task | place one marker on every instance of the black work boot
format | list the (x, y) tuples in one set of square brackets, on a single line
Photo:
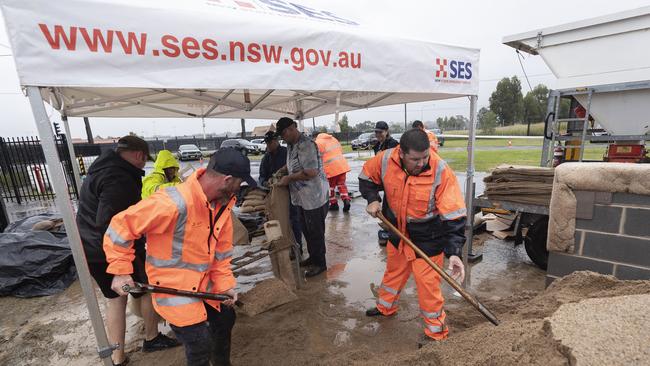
[(334, 207), (346, 205), (374, 312), (315, 271), (424, 340), (160, 342)]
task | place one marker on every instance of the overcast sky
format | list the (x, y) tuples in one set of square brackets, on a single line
[(473, 23)]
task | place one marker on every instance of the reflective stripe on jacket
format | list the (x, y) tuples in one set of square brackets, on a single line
[(189, 247), (334, 163), (428, 207), (157, 179)]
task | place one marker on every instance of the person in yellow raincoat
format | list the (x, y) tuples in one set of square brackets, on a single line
[(165, 174)]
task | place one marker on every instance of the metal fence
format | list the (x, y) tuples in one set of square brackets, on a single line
[(24, 174)]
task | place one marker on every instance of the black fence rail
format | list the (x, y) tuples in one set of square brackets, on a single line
[(24, 174)]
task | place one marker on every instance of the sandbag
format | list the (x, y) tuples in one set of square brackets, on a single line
[(253, 203), (240, 233)]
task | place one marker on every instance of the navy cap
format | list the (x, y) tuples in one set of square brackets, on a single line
[(270, 136), (381, 126), (282, 124), (230, 161)]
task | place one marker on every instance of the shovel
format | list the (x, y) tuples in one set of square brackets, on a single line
[(469, 297), (144, 287)]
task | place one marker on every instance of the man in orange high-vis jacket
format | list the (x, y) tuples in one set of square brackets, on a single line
[(433, 139), (336, 168), (425, 203), (189, 247)]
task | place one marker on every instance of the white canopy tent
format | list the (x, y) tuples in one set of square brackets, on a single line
[(215, 58)]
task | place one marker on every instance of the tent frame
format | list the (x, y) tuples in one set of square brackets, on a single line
[(200, 95), (64, 203)]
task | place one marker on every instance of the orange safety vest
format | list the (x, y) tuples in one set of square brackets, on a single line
[(185, 251), (334, 163), (416, 204), (433, 140)]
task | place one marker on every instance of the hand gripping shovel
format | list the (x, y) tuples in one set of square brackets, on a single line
[(143, 287), (469, 297)]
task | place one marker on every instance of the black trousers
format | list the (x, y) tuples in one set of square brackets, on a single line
[(208, 341), (313, 227)]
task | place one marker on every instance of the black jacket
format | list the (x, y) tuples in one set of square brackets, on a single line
[(389, 143), (111, 186), (271, 163)]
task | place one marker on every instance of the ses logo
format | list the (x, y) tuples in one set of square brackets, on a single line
[(453, 71)]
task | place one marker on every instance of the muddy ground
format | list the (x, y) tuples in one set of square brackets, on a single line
[(326, 321), (326, 325)]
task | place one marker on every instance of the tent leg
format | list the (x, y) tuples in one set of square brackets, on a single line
[(468, 255), (65, 206), (73, 157)]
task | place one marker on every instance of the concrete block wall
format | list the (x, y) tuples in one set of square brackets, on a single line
[(612, 237)]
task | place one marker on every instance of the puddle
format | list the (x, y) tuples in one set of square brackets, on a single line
[(353, 279)]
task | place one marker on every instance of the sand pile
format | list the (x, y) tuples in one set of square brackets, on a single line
[(609, 331), (523, 338), (265, 296)]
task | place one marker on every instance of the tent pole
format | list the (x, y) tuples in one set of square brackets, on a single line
[(73, 157), (469, 189), (64, 204), (405, 119), (89, 132)]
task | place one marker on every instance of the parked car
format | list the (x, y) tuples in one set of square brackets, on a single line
[(244, 146), (189, 152), (441, 138), (365, 141), (261, 145)]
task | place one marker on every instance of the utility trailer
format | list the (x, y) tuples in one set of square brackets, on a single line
[(603, 68)]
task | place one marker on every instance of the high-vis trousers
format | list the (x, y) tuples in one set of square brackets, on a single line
[(427, 281), (338, 181)]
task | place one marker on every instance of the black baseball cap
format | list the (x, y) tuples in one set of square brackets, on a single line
[(381, 126), (270, 136), (134, 143), (282, 124), (230, 161)]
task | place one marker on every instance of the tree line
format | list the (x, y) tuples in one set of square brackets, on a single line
[(507, 106)]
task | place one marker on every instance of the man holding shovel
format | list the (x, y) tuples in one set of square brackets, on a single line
[(189, 247), (424, 201)]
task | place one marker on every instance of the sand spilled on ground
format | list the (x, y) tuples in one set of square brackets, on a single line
[(523, 337)]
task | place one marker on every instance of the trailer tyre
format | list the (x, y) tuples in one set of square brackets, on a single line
[(535, 243)]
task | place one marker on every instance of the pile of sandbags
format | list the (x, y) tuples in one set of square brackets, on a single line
[(522, 184), (254, 201)]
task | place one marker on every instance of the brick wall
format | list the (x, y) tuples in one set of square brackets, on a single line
[(612, 237)]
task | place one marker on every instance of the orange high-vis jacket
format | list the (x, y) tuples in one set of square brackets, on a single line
[(433, 140), (334, 163), (429, 208), (189, 247)]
